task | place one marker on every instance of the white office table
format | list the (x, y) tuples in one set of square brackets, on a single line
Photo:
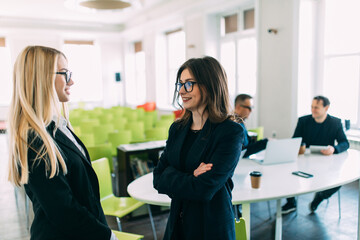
[(277, 182)]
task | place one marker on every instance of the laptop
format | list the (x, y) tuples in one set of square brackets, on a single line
[(242, 154), (278, 151)]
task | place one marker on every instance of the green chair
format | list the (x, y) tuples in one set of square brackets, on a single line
[(127, 236), (100, 151), (159, 133), (259, 131), (148, 121), (101, 133), (154, 115), (165, 123), (140, 113), (76, 130), (137, 131), (87, 139), (130, 115), (112, 205), (240, 229), (75, 120), (119, 123), (105, 118), (88, 125), (118, 138), (168, 117)]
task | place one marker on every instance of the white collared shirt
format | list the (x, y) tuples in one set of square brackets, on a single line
[(62, 126)]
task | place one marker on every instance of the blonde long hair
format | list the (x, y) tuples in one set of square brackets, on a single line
[(33, 104)]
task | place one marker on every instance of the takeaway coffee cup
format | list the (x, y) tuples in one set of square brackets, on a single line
[(255, 177)]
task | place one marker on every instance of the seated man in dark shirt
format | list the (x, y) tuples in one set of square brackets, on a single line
[(243, 108), (319, 128)]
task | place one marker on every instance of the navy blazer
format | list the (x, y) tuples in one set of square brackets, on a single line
[(65, 206), (205, 201), (324, 133)]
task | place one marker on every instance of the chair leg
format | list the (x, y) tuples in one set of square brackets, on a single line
[(236, 212), (339, 202), (119, 224), (152, 222), (269, 210)]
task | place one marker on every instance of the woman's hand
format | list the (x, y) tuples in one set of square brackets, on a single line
[(202, 168)]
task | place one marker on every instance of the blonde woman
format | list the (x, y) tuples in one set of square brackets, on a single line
[(46, 156)]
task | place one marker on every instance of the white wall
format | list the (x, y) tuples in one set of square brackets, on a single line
[(17, 38), (277, 68)]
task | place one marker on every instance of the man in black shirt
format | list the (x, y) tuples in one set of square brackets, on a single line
[(319, 128), (243, 108)]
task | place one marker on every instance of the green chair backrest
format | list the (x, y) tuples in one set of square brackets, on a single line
[(87, 126), (154, 115), (102, 170), (87, 139), (105, 118), (118, 138), (130, 115), (76, 130), (165, 123), (159, 133), (240, 229), (119, 123), (102, 151), (127, 236), (170, 116), (259, 131), (137, 131), (75, 121), (101, 133), (140, 113), (148, 121)]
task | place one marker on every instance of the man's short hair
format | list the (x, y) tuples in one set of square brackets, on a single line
[(325, 100), (241, 98)]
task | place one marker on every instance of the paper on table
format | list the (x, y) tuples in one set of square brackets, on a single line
[(317, 149)]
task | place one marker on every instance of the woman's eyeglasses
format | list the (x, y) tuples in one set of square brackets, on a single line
[(188, 86), (67, 75)]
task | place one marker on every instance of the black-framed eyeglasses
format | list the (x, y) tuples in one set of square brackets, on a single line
[(67, 75), (188, 86), (247, 107)]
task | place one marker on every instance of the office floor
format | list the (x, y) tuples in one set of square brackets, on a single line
[(323, 225)]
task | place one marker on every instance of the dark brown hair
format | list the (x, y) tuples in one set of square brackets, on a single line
[(212, 81)]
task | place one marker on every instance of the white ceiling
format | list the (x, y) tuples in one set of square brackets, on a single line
[(55, 10), (53, 14)]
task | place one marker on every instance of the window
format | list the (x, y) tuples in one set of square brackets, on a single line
[(238, 52), (175, 57), (333, 69), (5, 74), (84, 60), (341, 58), (136, 78)]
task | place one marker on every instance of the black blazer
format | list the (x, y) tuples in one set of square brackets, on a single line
[(324, 133), (65, 206), (205, 201)]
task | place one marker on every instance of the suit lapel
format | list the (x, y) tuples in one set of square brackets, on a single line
[(180, 138), (65, 142), (199, 146)]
